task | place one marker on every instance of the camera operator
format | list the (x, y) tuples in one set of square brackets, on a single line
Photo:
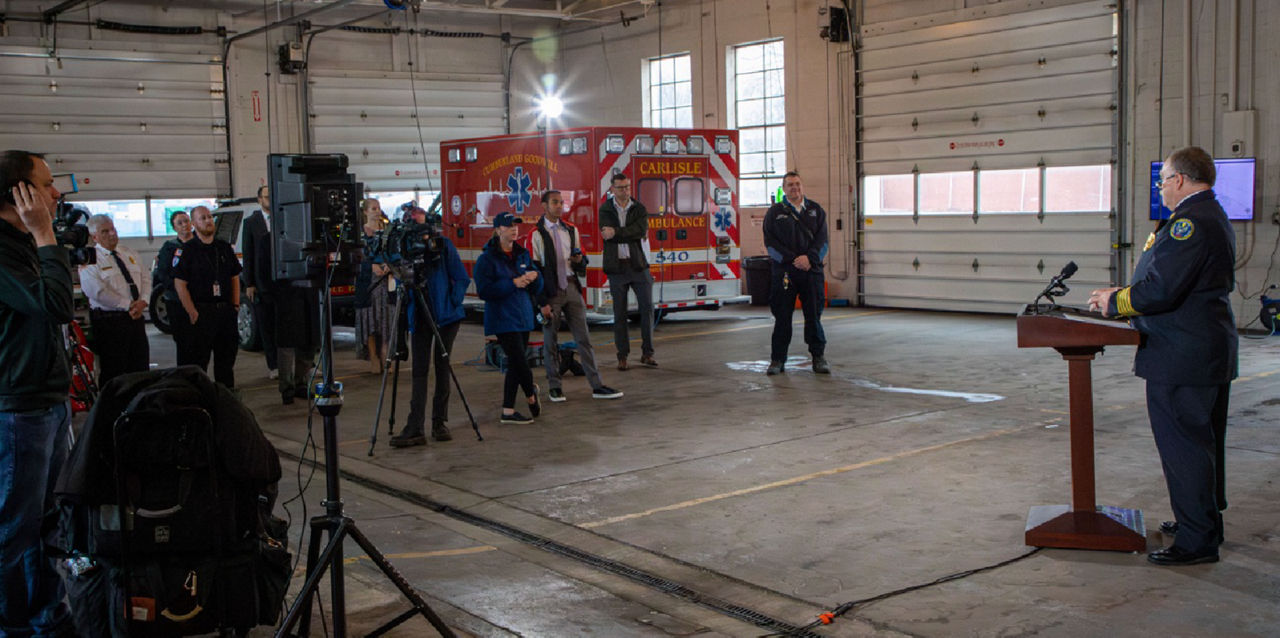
[(446, 281), (35, 301), (114, 285), (208, 284), (162, 275)]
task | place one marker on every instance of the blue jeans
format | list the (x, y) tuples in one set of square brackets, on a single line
[(33, 447)]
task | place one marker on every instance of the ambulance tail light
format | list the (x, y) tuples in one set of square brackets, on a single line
[(723, 144), (644, 144), (614, 144), (724, 197), (722, 249), (696, 145)]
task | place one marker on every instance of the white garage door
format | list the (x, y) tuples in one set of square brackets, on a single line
[(131, 124), (371, 118), (988, 148)]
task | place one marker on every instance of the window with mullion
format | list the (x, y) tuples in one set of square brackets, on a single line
[(670, 92), (759, 110)]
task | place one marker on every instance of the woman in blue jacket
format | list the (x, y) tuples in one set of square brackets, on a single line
[(506, 279)]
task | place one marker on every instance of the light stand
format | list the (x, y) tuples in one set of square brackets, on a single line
[(328, 400)]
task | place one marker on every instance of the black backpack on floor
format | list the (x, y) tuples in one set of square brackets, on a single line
[(161, 522)]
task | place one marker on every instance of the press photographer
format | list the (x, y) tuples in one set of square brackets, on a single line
[(35, 301), (423, 260)]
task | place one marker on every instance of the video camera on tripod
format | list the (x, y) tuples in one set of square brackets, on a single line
[(405, 240), (69, 224)]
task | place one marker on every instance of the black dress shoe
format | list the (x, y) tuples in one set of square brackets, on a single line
[(1169, 528), (1174, 555)]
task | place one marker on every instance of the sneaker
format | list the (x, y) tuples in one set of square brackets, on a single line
[(273, 374), (820, 366), (775, 367), (605, 392), (535, 408), (440, 432), (647, 360), (408, 439), (516, 418), (556, 395), (622, 365)]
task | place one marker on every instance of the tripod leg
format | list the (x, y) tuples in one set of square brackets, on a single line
[(395, 391), (403, 585), (392, 344), (300, 612)]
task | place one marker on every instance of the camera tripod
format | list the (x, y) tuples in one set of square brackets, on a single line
[(328, 398), (409, 286)]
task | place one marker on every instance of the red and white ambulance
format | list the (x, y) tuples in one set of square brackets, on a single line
[(686, 178)]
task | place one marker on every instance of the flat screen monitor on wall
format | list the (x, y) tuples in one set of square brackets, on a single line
[(1234, 188)]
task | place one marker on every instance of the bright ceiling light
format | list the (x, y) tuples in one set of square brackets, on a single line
[(550, 107)]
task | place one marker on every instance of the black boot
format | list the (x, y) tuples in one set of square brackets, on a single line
[(440, 431), (409, 437)]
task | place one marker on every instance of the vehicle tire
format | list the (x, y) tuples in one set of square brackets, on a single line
[(248, 328), (159, 310)]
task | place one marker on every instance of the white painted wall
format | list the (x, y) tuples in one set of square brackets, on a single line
[(1157, 96)]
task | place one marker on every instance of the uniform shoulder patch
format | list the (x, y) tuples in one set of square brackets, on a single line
[(1182, 229)]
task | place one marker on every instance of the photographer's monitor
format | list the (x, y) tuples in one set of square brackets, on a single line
[(1234, 188), (315, 217)]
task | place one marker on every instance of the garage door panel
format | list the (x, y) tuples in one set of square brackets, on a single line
[(943, 79), (1046, 140), (1087, 111), (1029, 37), (900, 127), (1028, 58), (893, 33), (1013, 92)]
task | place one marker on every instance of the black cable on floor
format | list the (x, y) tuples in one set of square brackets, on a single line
[(829, 617)]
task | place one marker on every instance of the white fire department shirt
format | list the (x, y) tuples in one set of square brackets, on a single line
[(105, 286)]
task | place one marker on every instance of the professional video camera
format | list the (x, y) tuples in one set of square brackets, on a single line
[(73, 234), (405, 240)]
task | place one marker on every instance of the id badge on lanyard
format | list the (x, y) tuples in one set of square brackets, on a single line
[(217, 289)]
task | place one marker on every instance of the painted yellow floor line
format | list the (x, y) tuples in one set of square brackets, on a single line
[(798, 479), (1255, 377), (436, 554)]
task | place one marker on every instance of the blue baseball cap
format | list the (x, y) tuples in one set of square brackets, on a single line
[(506, 219)]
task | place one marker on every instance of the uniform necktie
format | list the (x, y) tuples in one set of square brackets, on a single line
[(124, 270)]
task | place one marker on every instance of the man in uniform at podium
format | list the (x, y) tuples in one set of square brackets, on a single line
[(1179, 302)]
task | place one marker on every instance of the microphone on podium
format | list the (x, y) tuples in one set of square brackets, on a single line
[(1056, 287)]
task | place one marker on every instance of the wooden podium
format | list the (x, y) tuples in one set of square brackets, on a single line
[(1079, 336)]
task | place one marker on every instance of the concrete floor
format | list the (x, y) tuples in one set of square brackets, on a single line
[(917, 459)]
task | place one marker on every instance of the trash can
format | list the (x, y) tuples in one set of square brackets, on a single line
[(756, 271)]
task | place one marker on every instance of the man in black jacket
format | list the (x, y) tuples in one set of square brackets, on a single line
[(35, 302), (624, 226), (259, 285), (1180, 301), (795, 235)]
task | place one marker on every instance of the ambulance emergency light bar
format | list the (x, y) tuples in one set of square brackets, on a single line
[(1234, 187)]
